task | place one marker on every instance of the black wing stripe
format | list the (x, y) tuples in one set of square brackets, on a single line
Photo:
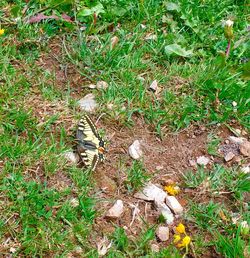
[(92, 126), (87, 150)]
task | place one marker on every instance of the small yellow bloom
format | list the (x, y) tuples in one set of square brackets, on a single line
[(1, 32), (185, 242), (177, 238), (172, 189), (180, 228)]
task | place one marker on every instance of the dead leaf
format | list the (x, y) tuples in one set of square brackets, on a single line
[(114, 41), (39, 17)]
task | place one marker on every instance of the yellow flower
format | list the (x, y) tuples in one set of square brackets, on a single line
[(1, 32), (177, 238), (172, 189), (185, 242), (180, 228)]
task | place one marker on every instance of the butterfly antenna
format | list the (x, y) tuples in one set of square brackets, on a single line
[(101, 115)]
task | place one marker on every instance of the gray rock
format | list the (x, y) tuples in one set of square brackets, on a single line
[(162, 233), (88, 103)]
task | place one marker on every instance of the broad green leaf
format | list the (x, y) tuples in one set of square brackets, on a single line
[(90, 11), (175, 49)]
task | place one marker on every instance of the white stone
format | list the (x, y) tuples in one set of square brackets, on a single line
[(155, 248), (229, 156), (143, 26), (151, 192), (238, 131), (236, 140), (245, 148), (88, 103), (174, 205), (234, 104), (140, 78), (162, 233), (135, 150), (167, 214), (245, 169), (164, 210), (116, 210), (202, 160), (110, 106), (92, 86), (103, 246), (192, 163), (71, 157), (74, 202), (102, 85), (151, 37), (158, 168), (153, 86), (12, 250), (229, 23)]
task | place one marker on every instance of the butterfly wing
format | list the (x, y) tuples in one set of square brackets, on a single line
[(88, 142)]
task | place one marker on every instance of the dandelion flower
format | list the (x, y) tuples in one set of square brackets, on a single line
[(1, 32), (172, 190), (177, 238), (180, 228), (185, 242)]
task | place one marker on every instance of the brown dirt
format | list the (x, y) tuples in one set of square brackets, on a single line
[(65, 74), (166, 159)]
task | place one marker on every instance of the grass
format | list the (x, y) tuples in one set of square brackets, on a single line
[(37, 217), (136, 177), (213, 218)]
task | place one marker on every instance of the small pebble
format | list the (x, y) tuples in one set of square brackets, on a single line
[(88, 103), (135, 150), (102, 85), (92, 86), (162, 233), (245, 148), (116, 210), (153, 86), (71, 157), (229, 156), (155, 248), (202, 160), (174, 205), (245, 170), (234, 103)]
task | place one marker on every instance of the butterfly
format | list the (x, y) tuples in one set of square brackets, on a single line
[(90, 145)]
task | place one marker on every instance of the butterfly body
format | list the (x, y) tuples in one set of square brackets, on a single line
[(90, 145)]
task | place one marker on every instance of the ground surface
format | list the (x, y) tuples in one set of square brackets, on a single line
[(53, 207)]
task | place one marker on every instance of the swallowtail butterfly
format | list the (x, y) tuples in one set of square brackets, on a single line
[(90, 145)]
